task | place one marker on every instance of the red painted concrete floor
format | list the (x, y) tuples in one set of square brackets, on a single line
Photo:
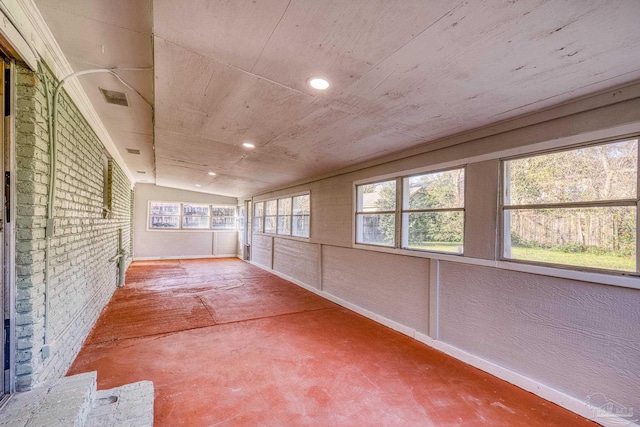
[(228, 344)]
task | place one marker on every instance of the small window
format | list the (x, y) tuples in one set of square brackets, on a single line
[(576, 207), (195, 216), (270, 216), (223, 217), (284, 216), (301, 216), (433, 211), (376, 213), (164, 215), (258, 215)]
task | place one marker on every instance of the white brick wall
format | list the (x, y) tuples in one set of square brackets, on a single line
[(82, 279)]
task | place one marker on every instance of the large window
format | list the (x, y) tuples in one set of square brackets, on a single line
[(223, 218), (287, 216), (258, 215), (301, 216), (284, 216), (164, 215), (433, 211), (271, 216), (376, 213), (421, 212), (190, 216), (575, 207), (195, 216)]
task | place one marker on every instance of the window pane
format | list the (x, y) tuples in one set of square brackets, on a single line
[(301, 205), (376, 229), (377, 197), (284, 224), (223, 223), (300, 226), (164, 222), (271, 207), (164, 208), (589, 237), (284, 206), (603, 172), (259, 209), (195, 210), (270, 224), (223, 211), (435, 231), (192, 222), (257, 224), (439, 190)]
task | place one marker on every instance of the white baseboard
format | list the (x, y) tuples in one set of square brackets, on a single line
[(582, 408), (159, 258)]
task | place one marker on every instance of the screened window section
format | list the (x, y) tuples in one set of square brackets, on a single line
[(284, 216), (576, 207), (271, 216), (301, 216), (376, 213), (433, 211), (195, 216), (258, 215), (164, 215), (223, 218), (190, 216)]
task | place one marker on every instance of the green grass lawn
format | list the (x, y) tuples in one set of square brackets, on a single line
[(583, 259), (609, 262), (451, 247)]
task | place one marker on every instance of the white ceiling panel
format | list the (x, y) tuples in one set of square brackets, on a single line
[(402, 74), (230, 31), (342, 40), (242, 106)]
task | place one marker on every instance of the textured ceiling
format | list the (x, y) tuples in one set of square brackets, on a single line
[(402, 74)]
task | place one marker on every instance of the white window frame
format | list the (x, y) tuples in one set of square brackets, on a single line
[(360, 212), (306, 216), (260, 222), (404, 235), (234, 217), (268, 216), (401, 237), (504, 223), (181, 218), (206, 216)]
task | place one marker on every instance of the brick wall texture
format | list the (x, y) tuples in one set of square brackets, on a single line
[(82, 276)]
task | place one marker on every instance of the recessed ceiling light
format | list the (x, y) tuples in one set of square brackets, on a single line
[(198, 185), (212, 174), (318, 83), (248, 145)]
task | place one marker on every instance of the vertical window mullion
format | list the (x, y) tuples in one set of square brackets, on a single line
[(505, 222)]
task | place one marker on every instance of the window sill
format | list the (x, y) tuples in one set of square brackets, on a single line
[(611, 279)]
